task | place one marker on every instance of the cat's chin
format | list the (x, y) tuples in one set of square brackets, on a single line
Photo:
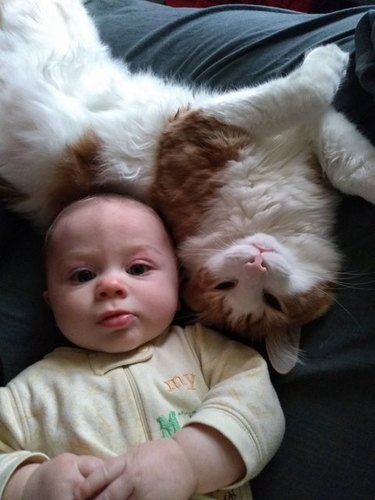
[(279, 329), (213, 308), (259, 288)]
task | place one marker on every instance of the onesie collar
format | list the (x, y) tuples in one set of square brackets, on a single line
[(101, 363)]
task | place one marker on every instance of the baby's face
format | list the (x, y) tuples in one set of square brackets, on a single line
[(111, 275)]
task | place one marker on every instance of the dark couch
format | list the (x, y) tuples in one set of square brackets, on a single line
[(329, 401)]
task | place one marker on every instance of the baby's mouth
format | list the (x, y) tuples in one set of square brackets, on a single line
[(116, 319)]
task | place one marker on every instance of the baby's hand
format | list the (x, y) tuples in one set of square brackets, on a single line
[(151, 471), (57, 478)]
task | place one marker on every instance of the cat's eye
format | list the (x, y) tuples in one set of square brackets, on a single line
[(226, 285), (272, 301)]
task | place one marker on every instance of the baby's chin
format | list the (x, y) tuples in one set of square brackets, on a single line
[(123, 341), (112, 340)]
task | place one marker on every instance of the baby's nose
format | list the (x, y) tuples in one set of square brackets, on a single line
[(110, 288)]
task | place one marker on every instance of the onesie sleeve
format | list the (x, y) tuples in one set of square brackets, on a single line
[(13, 438), (241, 402)]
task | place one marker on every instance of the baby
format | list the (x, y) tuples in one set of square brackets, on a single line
[(135, 408)]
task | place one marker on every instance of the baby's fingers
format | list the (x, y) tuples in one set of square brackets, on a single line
[(88, 464), (97, 481), (121, 488)]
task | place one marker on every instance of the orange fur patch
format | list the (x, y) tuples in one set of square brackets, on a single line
[(308, 306), (77, 173), (193, 150)]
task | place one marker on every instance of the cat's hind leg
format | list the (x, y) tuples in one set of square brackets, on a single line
[(346, 156), (50, 56), (271, 107), (50, 25)]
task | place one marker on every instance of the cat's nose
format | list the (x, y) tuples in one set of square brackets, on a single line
[(255, 265), (255, 268)]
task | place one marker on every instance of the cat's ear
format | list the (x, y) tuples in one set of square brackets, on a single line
[(283, 348)]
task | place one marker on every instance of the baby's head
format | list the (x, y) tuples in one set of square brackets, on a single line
[(112, 279)]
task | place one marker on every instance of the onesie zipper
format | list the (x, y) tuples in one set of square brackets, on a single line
[(138, 401)]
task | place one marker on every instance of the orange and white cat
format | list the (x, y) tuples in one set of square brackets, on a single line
[(235, 174)]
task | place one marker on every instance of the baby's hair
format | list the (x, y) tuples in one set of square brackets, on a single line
[(101, 196)]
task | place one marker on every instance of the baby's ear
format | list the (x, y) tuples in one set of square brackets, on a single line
[(46, 297), (283, 348)]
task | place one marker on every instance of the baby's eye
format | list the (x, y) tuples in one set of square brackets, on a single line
[(138, 269), (83, 275)]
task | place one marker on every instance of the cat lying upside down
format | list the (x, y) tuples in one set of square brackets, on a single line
[(236, 175), (252, 218)]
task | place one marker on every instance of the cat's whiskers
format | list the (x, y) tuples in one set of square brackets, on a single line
[(345, 279), (338, 303)]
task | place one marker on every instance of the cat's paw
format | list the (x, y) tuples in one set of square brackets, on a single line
[(328, 56), (357, 179), (323, 69), (346, 156)]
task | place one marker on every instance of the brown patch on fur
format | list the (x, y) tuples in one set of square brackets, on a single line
[(193, 150), (77, 173), (310, 305), (194, 288), (207, 302)]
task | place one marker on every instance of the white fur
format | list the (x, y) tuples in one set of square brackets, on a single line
[(58, 80)]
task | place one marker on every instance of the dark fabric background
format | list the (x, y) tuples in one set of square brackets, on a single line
[(329, 401)]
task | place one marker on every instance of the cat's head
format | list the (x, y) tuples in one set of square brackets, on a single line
[(259, 287)]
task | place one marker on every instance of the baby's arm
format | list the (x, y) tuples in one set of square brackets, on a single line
[(57, 478), (15, 487), (197, 459), (215, 461)]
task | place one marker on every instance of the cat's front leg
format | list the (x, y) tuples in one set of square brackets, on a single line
[(284, 102), (346, 156), (321, 73)]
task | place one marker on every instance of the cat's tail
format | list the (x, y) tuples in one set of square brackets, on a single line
[(346, 156)]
